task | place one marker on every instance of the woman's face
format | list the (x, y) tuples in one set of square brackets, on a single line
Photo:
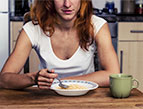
[(67, 9)]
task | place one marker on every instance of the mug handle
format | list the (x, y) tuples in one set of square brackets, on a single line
[(135, 86)]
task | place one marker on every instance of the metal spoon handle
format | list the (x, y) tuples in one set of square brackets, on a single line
[(59, 80)]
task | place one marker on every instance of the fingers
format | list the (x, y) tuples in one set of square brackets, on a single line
[(45, 78), (47, 74)]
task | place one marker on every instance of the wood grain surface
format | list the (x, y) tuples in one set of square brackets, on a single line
[(100, 98)]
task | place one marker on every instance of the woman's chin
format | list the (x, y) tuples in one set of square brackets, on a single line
[(68, 18)]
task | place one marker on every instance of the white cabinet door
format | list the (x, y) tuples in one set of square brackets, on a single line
[(4, 38), (4, 5)]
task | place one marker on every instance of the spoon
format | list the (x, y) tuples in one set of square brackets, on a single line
[(64, 86), (60, 82)]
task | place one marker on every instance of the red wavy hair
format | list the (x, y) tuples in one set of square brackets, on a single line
[(43, 13)]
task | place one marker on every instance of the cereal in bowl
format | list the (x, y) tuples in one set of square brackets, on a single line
[(73, 86)]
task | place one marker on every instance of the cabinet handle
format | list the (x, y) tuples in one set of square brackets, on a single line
[(121, 61), (136, 31)]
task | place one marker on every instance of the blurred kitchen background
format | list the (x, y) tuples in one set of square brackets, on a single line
[(125, 19)]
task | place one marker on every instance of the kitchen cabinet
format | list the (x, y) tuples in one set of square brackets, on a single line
[(130, 49), (15, 28)]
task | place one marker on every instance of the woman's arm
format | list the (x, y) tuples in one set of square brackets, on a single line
[(107, 56), (10, 77)]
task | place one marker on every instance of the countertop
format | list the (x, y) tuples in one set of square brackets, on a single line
[(122, 17), (108, 17), (16, 18), (99, 98)]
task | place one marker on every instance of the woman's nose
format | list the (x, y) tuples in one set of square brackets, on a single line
[(67, 3)]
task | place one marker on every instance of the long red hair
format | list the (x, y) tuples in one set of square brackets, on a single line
[(43, 12)]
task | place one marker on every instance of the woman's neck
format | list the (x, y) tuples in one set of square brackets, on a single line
[(66, 25)]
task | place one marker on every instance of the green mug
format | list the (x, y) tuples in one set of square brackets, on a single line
[(122, 84)]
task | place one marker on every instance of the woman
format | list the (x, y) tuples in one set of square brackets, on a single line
[(63, 33)]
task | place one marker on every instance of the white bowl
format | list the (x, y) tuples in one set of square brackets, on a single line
[(74, 92)]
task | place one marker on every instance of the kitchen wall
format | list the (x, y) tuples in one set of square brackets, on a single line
[(100, 4)]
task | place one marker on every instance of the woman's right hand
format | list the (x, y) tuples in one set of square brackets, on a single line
[(44, 78)]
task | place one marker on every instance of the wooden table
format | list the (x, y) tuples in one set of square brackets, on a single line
[(33, 98)]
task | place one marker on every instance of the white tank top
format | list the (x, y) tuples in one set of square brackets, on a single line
[(82, 62)]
